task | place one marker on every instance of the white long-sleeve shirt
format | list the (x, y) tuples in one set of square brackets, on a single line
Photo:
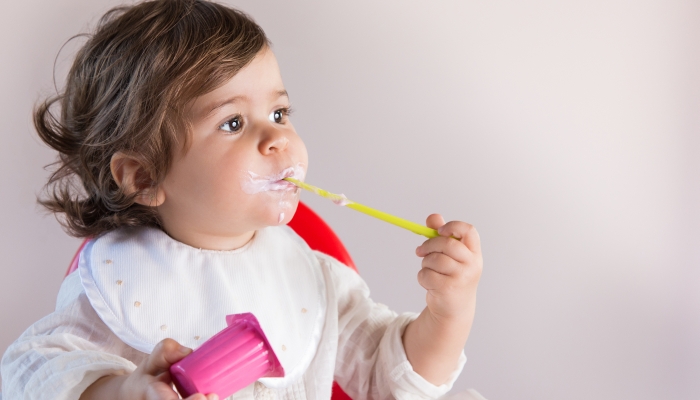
[(360, 347)]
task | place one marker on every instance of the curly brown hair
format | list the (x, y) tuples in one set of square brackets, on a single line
[(126, 91)]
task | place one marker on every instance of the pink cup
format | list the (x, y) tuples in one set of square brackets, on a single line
[(229, 361)]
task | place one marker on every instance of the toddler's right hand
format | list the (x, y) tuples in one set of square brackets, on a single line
[(150, 381)]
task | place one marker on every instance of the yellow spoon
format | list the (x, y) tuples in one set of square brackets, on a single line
[(343, 201)]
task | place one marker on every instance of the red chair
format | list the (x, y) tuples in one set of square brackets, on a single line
[(317, 234)]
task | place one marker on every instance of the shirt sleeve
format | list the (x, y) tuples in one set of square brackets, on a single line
[(62, 354), (371, 362)]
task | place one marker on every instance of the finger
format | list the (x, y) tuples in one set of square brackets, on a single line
[(166, 353), (161, 391), (441, 264), (466, 233), (454, 249), (432, 280), (434, 221)]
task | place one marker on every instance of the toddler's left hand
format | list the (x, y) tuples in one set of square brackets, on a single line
[(451, 269)]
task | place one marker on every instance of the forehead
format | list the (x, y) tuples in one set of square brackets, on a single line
[(259, 81)]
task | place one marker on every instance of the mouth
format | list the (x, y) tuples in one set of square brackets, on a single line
[(275, 182)]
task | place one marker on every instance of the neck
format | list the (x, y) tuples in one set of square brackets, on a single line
[(209, 241)]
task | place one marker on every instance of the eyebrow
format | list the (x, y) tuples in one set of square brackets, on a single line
[(234, 99)]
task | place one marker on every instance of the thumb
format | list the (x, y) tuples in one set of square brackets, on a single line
[(166, 353), (435, 221)]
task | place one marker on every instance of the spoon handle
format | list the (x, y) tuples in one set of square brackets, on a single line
[(392, 219)]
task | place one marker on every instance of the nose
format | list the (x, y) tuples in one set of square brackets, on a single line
[(273, 140)]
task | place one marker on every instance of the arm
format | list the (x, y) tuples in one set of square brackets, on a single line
[(450, 273), (72, 353), (371, 362), (63, 353)]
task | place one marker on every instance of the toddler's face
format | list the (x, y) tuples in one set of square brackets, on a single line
[(228, 183)]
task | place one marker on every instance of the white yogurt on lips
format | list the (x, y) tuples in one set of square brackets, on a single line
[(258, 183), (274, 184)]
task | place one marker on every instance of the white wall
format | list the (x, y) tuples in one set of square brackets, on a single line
[(567, 132)]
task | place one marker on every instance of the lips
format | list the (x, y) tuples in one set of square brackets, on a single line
[(278, 182), (258, 183)]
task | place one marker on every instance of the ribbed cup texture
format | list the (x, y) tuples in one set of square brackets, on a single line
[(229, 361)]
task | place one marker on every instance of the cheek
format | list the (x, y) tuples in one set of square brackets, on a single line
[(225, 181), (305, 160), (208, 179), (300, 148)]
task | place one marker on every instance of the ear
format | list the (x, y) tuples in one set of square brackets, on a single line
[(132, 177)]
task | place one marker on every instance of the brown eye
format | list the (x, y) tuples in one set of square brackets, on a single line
[(278, 116), (233, 125)]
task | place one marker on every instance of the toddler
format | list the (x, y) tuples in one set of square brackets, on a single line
[(173, 139)]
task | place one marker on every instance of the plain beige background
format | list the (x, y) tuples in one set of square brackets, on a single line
[(567, 132)]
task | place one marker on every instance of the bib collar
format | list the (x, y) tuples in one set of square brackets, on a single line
[(147, 286)]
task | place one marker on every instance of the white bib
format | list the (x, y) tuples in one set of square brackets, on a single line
[(147, 286)]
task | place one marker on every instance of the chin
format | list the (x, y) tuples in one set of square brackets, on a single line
[(283, 215)]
